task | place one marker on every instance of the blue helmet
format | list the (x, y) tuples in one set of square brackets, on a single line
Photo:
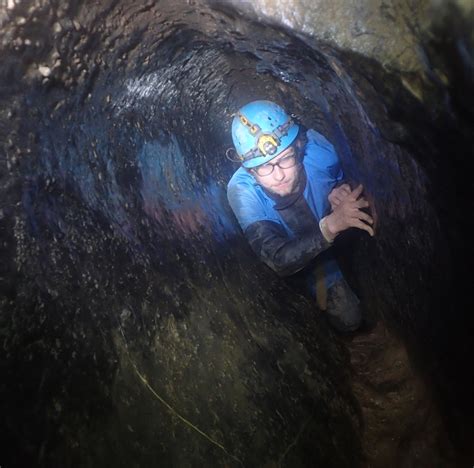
[(261, 130)]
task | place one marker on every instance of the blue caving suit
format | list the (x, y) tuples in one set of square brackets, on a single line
[(287, 237)]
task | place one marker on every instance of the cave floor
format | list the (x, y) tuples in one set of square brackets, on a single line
[(402, 425)]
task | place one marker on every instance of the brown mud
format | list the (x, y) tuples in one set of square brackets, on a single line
[(402, 424)]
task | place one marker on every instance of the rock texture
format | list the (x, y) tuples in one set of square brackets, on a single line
[(137, 328), (391, 32)]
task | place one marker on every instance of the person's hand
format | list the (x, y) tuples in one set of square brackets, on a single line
[(338, 194), (348, 214)]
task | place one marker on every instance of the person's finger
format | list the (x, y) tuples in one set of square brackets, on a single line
[(362, 203), (352, 206), (355, 194), (358, 190), (366, 217), (364, 227), (345, 188), (340, 191)]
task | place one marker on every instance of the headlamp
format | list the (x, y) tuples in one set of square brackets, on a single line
[(267, 144)]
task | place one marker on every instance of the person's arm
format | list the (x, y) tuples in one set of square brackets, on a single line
[(283, 254), (269, 239)]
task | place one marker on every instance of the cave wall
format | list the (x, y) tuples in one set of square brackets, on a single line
[(138, 328)]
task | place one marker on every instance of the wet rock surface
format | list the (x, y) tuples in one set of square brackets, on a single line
[(402, 426), (387, 31), (137, 328)]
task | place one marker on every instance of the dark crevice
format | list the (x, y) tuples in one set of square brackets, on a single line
[(119, 252)]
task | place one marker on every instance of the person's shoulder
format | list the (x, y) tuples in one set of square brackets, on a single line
[(245, 199), (319, 152), (242, 186), (241, 177), (316, 138)]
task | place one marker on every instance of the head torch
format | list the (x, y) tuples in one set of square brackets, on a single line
[(267, 143)]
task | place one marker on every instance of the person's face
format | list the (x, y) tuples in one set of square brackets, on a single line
[(280, 181)]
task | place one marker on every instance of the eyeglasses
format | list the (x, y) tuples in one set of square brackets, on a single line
[(284, 163)]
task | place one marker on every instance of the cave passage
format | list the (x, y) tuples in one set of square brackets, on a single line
[(137, 327)]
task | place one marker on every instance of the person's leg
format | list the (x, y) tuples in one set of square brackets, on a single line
[(343, 310), (342, 305)]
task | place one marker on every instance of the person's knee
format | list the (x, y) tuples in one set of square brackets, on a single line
[(343, 309), (345, 324)]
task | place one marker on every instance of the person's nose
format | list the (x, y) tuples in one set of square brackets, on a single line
[(278, 173)]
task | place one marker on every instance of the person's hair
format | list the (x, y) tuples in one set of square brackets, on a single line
[(300, 140)]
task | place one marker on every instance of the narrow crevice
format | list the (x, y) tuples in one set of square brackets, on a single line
[(114, 221)]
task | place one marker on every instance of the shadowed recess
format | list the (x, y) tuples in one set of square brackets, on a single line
[(137, 327)]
